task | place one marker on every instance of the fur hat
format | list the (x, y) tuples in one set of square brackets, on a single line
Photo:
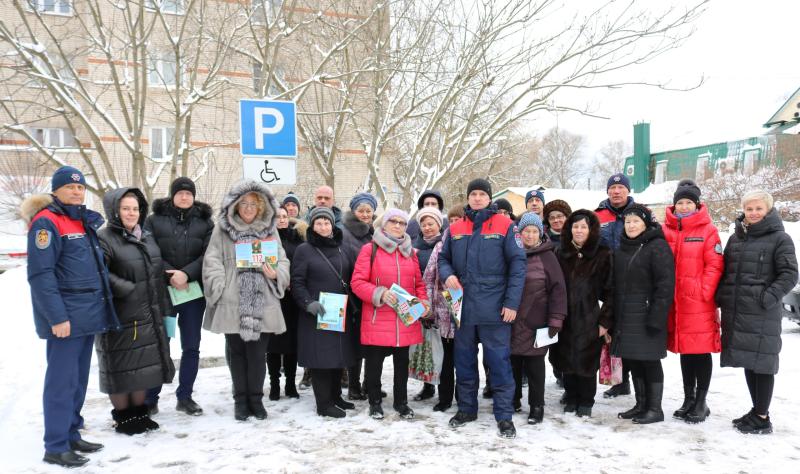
[(556, 205)]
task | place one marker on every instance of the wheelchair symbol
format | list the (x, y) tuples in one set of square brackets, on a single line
[(268, 171)]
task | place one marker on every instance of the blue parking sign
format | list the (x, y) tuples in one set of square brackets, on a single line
[(268, 128)]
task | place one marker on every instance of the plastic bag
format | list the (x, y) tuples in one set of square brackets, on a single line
[(610, 367), (425, 360)]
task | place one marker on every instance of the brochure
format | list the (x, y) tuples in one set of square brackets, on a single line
[(182, 296), (543, 338), (335, 305), (408, 307), (254, 254), (454, 298)]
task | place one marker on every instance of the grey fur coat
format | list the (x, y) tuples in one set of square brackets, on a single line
[(243, 302)]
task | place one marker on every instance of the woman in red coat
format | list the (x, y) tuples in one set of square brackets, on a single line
[(389, 259), (693, 322)]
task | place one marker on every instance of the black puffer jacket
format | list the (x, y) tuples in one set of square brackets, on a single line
[(137, 356), (760, 269), (644, 285), (317, 348), (182, 235), (588, 274), (286, 343)]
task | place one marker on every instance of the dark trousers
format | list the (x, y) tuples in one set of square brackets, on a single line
[(65, 382), (760, 386), (247, 363), (447, 378), (326, 384), (579, 390), (496, 341), (533, 368), (696, 370), (373, 368), (274, 362), (649, 370), (190, 325)]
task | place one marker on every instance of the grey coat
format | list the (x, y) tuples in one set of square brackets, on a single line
[(760, 269), (243, 302)]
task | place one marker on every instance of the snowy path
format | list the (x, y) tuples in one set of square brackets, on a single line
[(294, 439)]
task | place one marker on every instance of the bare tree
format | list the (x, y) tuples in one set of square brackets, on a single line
[(21, 176), (561, 156), (610, 160)]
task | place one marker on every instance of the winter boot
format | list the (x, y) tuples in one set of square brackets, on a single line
[(144, 417), (442, 406), (274, 387), (256, 407), (126, 422), (305, 382), (404, 411), (67, 459), (331, 411), (582, 411), (376, 411), (461, 418), (639, 390), (688, 402), (505, 429), (345, 382), (623, 388), (290, 390), (428, 391), (240, 410), (653, 412), (754, 424), (341, 403), (536, 415), (699, 411)]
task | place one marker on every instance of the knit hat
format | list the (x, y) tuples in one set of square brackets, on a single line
[(687, 190), (556, 205), (640, 211), (430, 212), (392, 213), (618, 178), (531, 218), (182, 184), (480, 184), (504, 205), (321, 212), (291, 197), (534, 193), (66, 175), (363, 198), (430, 193)]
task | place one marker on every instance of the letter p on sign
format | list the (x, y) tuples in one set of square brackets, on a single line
[(268, 128)]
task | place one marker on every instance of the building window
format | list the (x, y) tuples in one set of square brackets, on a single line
[(161, 139), (54, 137), (258, 78), (176, 7), (56, 7), (661, 172), (163, 70), (265, 10), (750, 160), (701, 170)]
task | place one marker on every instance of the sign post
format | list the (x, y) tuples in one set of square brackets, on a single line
[(268, 140)]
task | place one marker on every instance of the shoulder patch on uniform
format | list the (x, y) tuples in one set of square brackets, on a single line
[(518, 239), (43, 239), (718, 248)]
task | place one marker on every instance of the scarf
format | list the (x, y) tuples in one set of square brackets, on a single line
[(681, 215), (397, 240)]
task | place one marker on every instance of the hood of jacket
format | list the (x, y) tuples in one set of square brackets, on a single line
[(263, 225), (164, 207), (591, 245), (431, 193), (32, 205), (390, 245), (111, 206), (356, 227), (770, 223)]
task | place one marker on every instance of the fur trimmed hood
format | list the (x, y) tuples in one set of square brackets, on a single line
[(32, 205), (264, 225), (592, 243), (300, 226)]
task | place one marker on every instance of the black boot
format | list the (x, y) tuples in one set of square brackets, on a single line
[(331, 411), (240, 410), (688, 402), (623, 388), (699, 411), (144, 418), (345, 382), (354, 391), (653, 412), (126, 422), (305, 382), (274, 369), (639, 391), (428, 391), (290, 364), (536, 415), (274, 389), (256, 407), (754, 424)]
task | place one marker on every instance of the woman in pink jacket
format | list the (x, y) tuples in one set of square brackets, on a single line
[(389, 259)]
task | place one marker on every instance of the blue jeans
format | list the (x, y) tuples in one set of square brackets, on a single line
[(190, 324), (496, 341), (65, 382)]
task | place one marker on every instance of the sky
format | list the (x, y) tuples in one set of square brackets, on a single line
[(744, 51)]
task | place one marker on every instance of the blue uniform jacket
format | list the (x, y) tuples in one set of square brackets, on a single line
[(611, 223), (484, 251), (66, 272)]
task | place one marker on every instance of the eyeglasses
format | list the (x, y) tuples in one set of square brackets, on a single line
[(557, 218), (251, 205), (396, 222)]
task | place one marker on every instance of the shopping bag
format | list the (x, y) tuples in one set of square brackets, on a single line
[(425, 360), (610, 367), (170, 323)]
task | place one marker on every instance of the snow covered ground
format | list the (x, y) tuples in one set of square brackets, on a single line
[(294, 439)]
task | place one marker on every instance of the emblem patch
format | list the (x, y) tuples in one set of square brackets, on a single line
[(76, 177), (43, 239), (718, 248), (518, 239)]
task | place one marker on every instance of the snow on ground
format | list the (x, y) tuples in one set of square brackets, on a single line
[(294, 439)]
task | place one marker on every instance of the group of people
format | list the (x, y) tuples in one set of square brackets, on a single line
[(613, 277)]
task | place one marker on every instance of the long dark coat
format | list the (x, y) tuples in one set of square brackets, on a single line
[(760, 269), (589, 277), (286, 343), (544, 300), (644, 285), (136, 357), (317, 348)]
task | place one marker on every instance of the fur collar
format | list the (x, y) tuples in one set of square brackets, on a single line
[(390, 246), (164, 207), (32, 205), (356, 227)]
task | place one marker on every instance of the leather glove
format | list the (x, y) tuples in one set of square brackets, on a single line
[(315, 308), (551, 331)]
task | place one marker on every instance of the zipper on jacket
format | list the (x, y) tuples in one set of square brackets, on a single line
[(397, 320), (375, 308), (760, 264)]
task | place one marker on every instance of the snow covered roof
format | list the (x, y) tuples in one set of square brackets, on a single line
[(657, 193), (577, 198)]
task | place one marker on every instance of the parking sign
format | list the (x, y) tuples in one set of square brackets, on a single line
[(268, 128)]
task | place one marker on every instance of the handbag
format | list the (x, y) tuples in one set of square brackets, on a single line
[(425, 360), (610, 367)]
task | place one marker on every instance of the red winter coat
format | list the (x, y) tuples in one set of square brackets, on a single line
[(693, 323), (380, 325)]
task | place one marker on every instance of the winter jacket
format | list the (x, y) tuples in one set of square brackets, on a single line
[(243, 302), (311, 274), (588, 274), (392, 264), (612, 224), (644, 286), (760, 269), (693, 325), (544, 300), (434, 288), (182, 235), (286, 343), (137, 356), (66, 273), (484, 251), (553, 237), (424, 250)]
